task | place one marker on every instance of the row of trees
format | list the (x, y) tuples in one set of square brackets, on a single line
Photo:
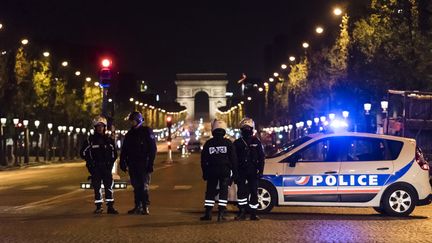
[(389, 47), (34, 86)]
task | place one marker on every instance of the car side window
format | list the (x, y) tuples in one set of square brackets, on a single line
[(320, 151), (366, 149)]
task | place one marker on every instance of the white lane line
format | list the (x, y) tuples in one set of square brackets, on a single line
[(153, 187), (29, 188), (182, 187), (46, 201)]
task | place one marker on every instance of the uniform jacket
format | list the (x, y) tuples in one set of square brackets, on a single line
[(139, 148), (99, 150), (250, 155), (218, 157)]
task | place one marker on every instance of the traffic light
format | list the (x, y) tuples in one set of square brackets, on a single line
[(105, 74), (169, 121), (169, 124)]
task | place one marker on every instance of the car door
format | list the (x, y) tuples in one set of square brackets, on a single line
[(366, 165), (311, 173)]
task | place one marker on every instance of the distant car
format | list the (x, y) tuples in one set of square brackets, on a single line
[(387, 173), (194, 146)]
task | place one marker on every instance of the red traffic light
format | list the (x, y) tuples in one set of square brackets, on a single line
[(106, 62)]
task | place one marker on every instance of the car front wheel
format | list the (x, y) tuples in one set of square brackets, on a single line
[(266, 197), (399, 201)]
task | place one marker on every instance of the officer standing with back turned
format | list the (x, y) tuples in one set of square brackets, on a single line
[(218, 161), (250, 154)]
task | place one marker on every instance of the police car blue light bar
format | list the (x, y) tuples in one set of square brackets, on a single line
[(117, 185)]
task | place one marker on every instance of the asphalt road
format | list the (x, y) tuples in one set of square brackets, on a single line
[(45, 204)]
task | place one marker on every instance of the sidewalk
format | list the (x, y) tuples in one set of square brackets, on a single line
[(33, 163)]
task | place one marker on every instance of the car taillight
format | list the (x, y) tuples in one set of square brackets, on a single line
[(420, 160)]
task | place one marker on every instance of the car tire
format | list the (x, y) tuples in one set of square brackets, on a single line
[(399, 201), (267, 197)]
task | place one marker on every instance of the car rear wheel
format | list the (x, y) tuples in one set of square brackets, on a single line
[(266, 197), (399, 201)]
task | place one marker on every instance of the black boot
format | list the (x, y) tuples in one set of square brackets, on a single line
[(207, 214), (145, 210), (111, 209), (221, 214), (241, 214), (253, 215), (136, 210), (98, 209)]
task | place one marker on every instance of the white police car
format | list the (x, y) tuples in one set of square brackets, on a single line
[(387, 173)]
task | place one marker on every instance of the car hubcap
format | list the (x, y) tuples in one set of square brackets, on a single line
[(400, 201), (264, 198)]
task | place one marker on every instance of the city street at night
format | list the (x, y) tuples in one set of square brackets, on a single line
[(45, 204)]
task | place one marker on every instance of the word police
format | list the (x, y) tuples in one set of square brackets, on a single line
[(345, 180)]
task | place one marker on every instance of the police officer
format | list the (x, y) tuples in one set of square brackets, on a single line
[(137, 155), (218, 160), (100, 154), (251, 166)]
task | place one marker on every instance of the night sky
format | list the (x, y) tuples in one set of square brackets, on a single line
[(157, 39)]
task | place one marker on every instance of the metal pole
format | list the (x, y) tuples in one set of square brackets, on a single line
[(37, 145), (15, 146), (3, 146), (26, 145)]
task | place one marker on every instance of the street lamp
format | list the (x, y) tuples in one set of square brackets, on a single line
[(292, 58), (3, 121), (15, 144), (65, 64), (37, 123), (332, 116), (77, 73), (96, 84), (47, 141), (337, 11), (1, 26), (305, 45), (345, 114), (276, 74), (367, 107), (88, 79), (24, 41), (384, 105), (271, 80), (249, 98), (260, 89), (284, 66), (46, 54), (26, 142), (319, 30)]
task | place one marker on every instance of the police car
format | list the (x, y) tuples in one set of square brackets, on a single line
[(387, 173)]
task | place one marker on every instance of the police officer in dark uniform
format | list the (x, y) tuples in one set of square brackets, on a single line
[(251, 166), (137, 155), (100, 154), (218, 162)]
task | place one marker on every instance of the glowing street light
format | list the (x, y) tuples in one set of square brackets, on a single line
[(106, 63), (46, 54), (249, 98), (271, 79), (284, 66), (109, 100), (367, 107), (96, 84), (319, 30), (77, 73), (65, 64), (305, 45), (266, 84), (88, 79), (260, 89), (1, 26), (292, 58), (345, 114), (24, 41), (337, 11), (384, 105), (276, 74), (131, 99)]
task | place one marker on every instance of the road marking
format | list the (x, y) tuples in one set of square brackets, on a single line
[(153, 187), (47, 201), (182, 187), (33, 188)]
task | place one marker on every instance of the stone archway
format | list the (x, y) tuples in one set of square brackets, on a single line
[(201, 105), (190, 84)]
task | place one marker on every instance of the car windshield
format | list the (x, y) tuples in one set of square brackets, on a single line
[(288, 147)]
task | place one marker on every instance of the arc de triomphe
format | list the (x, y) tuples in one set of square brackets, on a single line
[(190, 84)]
